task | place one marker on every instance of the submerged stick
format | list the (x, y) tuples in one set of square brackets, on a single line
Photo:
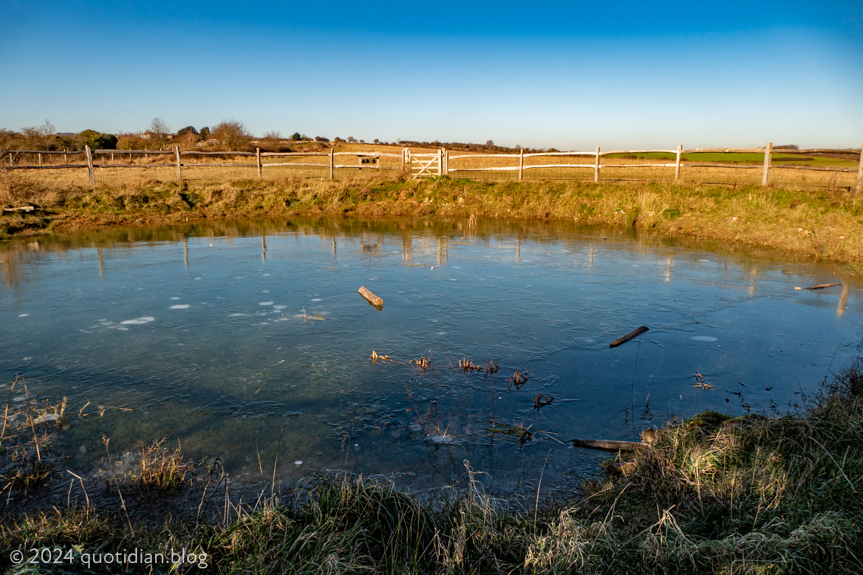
[(822, 286), (606, 444), (372, 298), (633, 334)]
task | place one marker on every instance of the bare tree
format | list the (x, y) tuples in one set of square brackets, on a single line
[(159, 131), (232, 134), (47, 129)]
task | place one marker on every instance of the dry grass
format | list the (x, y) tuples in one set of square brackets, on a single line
[(823, 224)]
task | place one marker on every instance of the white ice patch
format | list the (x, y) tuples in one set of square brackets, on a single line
[(266, 303), (180, 306), (279, 306), (23, 315), (197, 278), (175, 298), (265, 275), (237, 315), (442, 439), (703, 338), (441, 333), (266, 291), (138, 320), (316, 299), (298, 462)]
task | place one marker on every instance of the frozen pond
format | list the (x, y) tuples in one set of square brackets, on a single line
[(228, 336)]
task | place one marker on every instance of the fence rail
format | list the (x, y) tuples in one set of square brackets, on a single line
[(438, 163)]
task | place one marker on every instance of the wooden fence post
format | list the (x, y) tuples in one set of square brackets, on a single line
[(860, 174), (258, 156), (520, 164), (677, 164), (596, 167), (91, 173), (332, 163), (177, 157), (765, 176), (65, 157), (404, 155), (446, 162)]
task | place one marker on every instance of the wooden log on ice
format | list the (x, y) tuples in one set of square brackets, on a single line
[(372, 298), (633, 334), (822, 286), (606, 444)]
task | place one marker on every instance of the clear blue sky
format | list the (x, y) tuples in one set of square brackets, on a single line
[(570, 75)]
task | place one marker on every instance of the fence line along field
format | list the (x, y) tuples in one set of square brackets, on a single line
[(835, 169)]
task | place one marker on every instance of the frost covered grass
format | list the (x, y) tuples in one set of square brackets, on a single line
[(711, 495)]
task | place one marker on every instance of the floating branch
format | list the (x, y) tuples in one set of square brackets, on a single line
[(518, 379), (606, 444), (372, 298), (633, 334), (375, 357), (701, 383), (466, 366), (541, 401), (822, 286)]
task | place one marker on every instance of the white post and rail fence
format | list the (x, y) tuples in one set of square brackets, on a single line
[(420, 165)]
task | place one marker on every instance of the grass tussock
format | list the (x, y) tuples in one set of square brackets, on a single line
[(824, 223), (711, 495), (161, 470)]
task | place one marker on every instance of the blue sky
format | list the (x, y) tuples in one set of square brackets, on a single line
[(566, 75)]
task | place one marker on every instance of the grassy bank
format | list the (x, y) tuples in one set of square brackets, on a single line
[(711, 495), (824, 224)]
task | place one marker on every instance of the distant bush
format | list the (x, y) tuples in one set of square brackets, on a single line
[(96, 140), (296, 136), (232, 134), (321, 139)]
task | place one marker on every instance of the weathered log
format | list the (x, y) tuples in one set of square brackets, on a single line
[(21, 209), (822, 286), (606, 444), (372, 298), (633, 334)]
